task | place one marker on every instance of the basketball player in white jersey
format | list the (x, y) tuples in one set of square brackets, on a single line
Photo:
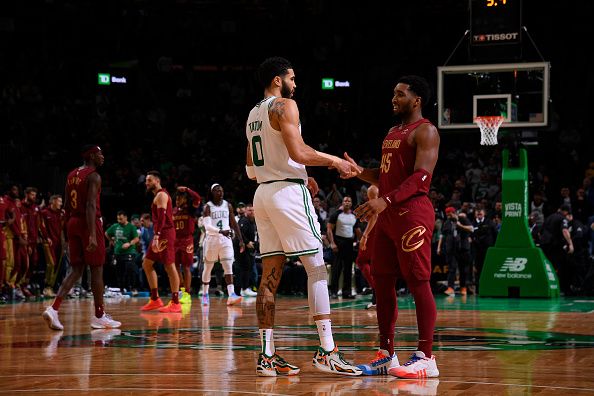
[(218, 217), (286, 220)]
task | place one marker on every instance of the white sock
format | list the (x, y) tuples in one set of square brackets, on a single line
[(231, 289), (205, 287), (325, 333), (267, 339)]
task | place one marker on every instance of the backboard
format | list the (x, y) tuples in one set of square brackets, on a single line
[(517, 91)]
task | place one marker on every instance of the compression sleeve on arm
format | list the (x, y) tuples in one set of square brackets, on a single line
[(416, 184), (160, 220), (207, 221)]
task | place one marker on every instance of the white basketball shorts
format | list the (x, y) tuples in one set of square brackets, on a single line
[(286, 220), (217, 248)]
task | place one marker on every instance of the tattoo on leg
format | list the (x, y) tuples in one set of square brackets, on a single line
[(272, 281), (265, 309), (265, 302)]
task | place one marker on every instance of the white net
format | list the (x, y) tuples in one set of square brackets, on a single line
[(489, 127)]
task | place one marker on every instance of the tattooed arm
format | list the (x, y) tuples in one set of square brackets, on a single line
[(284, 117)]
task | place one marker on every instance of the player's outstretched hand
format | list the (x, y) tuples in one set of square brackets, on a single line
[(352, 161), (372, 207), (357, 169), (347, 169)]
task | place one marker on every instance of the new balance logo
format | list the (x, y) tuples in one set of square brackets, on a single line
[(514, 264)]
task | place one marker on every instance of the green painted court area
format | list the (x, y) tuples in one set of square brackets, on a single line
[(473, 303)]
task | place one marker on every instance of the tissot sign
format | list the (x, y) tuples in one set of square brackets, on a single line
[(495, 38)]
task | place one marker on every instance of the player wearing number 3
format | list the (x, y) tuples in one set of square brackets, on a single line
[(86, 243)]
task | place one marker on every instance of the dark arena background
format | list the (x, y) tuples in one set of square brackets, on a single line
[(168, 86)]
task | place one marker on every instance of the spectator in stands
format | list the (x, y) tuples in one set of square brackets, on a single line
[(483, 237), (537, 207), (454, 240), (556, 243), (535, 229)]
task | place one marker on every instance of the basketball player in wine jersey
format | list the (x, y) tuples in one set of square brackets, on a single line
[(186, 202), (84, 229), (162, 248), (404, 228)]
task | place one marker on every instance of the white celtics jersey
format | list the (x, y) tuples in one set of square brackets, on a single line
[(269, 153), (219, 215)]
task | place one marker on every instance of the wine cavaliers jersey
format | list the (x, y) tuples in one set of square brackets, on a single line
[(184, 222), (168, 225), (398, 157), (53, 221), (77, 187), (31, 216)]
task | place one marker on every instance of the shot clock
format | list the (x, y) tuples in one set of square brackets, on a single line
[(495, 22)]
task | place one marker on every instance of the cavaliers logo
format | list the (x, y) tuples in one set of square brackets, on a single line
[(190, 249), (412, 239), (161, 246)]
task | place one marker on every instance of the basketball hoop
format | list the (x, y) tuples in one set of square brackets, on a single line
[(489, 126)]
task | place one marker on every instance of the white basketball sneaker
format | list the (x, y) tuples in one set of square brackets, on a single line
[(104, 322), (248, 293), (271, 366), (381, 364), (50, 315), (333, 362), (419, 366)]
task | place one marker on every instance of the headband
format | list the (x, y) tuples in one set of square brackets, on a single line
[(92, 150)]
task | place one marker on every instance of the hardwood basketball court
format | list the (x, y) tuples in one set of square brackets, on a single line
[(482, 345)]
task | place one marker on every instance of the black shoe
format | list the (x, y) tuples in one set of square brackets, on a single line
[(348, 296), (333, 295)]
